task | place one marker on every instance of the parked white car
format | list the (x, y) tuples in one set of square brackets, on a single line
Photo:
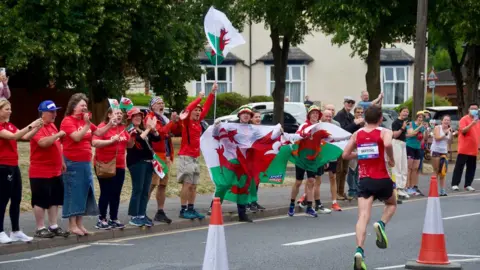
[(296, 109)]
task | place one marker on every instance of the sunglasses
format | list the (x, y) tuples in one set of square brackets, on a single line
[(350, 102)]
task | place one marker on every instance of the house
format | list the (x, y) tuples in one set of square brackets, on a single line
[(317, 68), (445, 86)]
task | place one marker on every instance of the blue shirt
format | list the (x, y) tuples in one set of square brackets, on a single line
[(364, 104)]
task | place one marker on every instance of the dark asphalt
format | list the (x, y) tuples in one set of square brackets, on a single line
[(261, 245)]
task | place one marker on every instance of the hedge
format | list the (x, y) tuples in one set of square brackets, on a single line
[(226, 102), (439, 101)]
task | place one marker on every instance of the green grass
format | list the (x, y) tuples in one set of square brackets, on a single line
[(205, 186)]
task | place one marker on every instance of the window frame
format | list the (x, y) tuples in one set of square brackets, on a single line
[(203, 78), (303, 79), (394, 81)]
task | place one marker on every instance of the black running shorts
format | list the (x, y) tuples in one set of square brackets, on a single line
[(380, 189)]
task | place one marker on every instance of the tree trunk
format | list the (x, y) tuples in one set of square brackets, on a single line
[(456, 68), (472, 63), (147, 87), (280, 57), (98, 105), (372, 77)]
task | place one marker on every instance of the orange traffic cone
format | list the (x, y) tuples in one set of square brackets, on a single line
[(216, 249), (433, 252)]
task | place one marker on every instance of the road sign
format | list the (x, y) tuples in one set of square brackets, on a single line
[(432, 76), (431, 84)]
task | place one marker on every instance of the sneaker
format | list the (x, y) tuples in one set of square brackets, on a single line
[(4, 239), (197, 215), (455, 188), (402, 193), (322, 210), (253, 207), (160, 216), (418, 191), (102, 225), (382, 240), (187, 214), (291, 210), (311, 212), (43, 233), (302, 199), (148, 222), (336, 207), (59, 232), (469, 188), (137, 221), (149, 219), (116, 224), (259, 207), (20, 236), (443, 193), (359, 261), (209, 211), (243, 217)]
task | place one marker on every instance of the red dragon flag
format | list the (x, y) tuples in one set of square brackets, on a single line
[(221, 35)]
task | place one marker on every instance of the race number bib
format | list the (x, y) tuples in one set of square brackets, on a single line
[(367, 151)]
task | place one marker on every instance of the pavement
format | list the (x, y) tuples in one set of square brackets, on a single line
[(276, 200), (281, 242)]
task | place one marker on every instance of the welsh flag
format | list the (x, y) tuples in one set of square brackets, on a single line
[(113, 103), (126, 103), (221, 35), (325, 143), (240, 156), (159, 166)]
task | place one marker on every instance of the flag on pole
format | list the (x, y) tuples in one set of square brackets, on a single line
[(240, 156), (221, 35), (325, 144), (159, 166), (113, 103), (126, 103)]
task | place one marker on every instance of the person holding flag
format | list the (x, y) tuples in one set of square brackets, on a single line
[(140, 164), (374, 150), (188, 168), (164, 150), (109, 164)]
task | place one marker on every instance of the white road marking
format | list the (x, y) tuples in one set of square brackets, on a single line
[(111, 244), (403, 265), (464, 255), (61, 252), (462, 216), (14, 261), (316, 240)]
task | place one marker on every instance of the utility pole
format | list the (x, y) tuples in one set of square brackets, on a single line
[(420, 48)]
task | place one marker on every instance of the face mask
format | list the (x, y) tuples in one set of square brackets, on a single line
[(474, 112)]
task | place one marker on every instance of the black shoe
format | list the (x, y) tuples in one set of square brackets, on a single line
[(161, 217), (116, 224), (243, 217), (59, 232), (259, 207), (44, 233), (253, 208)]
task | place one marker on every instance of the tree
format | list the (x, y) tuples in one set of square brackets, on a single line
[(453, 22), (367, 25), (95, 46)]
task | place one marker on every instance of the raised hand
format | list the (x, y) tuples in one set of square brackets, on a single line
[(86, 117), (184, 115), (214, 87), (174, 117), (37, 123)]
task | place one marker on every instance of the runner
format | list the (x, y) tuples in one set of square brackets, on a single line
[(372, 143)]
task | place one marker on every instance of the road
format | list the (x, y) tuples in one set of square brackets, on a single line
[(276, 243)]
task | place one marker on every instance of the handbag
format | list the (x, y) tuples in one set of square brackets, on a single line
[(107, 169)]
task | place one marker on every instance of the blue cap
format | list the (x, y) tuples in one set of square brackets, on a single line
[(48, 106)]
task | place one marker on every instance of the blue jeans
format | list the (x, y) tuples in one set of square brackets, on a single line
[(141, 173), (78, 196), (422, 154), (110, 190), (352, 180)]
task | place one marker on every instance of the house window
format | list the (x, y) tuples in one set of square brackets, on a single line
[(205, 81), (394, 85), (294, 82)]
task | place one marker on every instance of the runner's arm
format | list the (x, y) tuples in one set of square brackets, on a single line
[(348, 153), (387, 143)]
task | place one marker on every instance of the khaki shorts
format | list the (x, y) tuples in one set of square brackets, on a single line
[(155, 178), (188, 170)]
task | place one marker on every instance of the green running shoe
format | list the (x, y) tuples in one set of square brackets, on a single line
[(382, 240), (358, 262)]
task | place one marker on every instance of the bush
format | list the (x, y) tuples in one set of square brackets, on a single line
[(439, 101), (254, 99), (227, 103), (139, 99)]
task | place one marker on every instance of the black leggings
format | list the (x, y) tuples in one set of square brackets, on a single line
[(110, 190), (10, 190)]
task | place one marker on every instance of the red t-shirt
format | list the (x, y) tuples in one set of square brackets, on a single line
[(77, 151), (106, 154), (8, 148), (45, 162), (371, 154), (468, 143)]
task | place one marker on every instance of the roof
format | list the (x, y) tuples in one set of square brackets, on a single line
[(395, 56), (230, 59), (294, 55), (445, 77)]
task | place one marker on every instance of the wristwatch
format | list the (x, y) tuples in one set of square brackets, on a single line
[(30, 127)]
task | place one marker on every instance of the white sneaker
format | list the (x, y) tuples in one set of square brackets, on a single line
[(455, 188), (402, 193), (4, 239), (469, 188), (20, 236)]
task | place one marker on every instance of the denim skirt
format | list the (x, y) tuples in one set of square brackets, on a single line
[(79, 198)]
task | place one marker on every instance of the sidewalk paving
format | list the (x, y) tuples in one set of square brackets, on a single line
[(275, 199)]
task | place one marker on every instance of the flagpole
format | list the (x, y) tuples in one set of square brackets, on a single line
[(216, 78)]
